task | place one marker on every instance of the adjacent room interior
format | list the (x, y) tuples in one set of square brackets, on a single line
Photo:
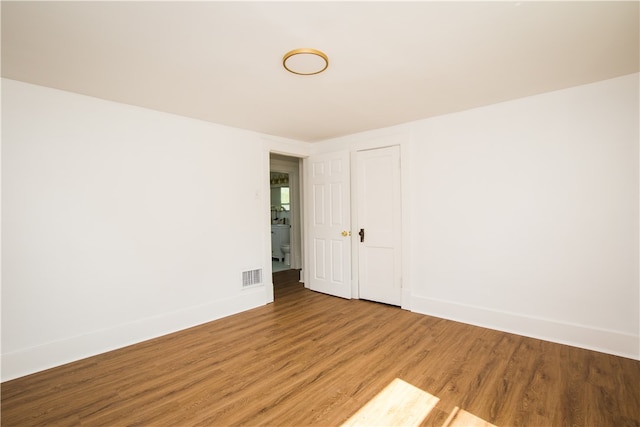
[(320, 213)]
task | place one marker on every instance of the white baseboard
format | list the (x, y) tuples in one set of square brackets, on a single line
[(35, 359), (606, 341), (406, 299)]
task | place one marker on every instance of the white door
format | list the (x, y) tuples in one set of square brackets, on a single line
[(327, 195), (378, 225)]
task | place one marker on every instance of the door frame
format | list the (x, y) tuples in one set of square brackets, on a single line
[(355, 219), (275, 145), (388, 139)]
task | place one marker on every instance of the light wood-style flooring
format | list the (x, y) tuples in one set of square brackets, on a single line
[(312, 359)]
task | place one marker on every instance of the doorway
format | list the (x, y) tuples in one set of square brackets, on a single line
[(285, 214)]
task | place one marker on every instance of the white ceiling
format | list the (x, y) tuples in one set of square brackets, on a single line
[(390, 62)]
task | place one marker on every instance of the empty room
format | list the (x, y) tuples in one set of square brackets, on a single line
[(320, 213)]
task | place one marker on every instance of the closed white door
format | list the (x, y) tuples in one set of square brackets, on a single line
[(378, 225), (327, 195)]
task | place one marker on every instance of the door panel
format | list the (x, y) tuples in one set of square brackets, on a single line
[(379, 214), (329, 210)]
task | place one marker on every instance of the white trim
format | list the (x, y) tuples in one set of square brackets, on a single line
[(406, 192), (355, 247), (406, 298), (582, 336), (266, 203), (400, 137), (35, 359)]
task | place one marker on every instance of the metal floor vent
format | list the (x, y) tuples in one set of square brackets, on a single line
[(251, 277)]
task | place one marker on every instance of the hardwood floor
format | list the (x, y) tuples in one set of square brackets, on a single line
[(312, 359)]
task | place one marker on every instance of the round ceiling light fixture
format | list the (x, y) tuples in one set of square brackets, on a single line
[(305, 61)]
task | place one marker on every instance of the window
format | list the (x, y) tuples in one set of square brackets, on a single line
[(284, 198)]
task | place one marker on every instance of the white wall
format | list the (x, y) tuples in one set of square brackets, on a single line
[(120, 224), (525, 216)]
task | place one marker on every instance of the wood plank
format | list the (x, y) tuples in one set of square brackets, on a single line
[(312, 359)]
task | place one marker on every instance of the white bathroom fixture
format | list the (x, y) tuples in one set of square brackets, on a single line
[(286, 250), (279, 236)]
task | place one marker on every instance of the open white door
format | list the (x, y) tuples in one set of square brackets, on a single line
[(327, 190), (379, 222)]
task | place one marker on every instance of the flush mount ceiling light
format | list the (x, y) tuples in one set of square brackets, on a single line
[(305, 62)]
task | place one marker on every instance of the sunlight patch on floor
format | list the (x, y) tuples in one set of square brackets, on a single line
[(402, 404), (398, 404), (461, 418)]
